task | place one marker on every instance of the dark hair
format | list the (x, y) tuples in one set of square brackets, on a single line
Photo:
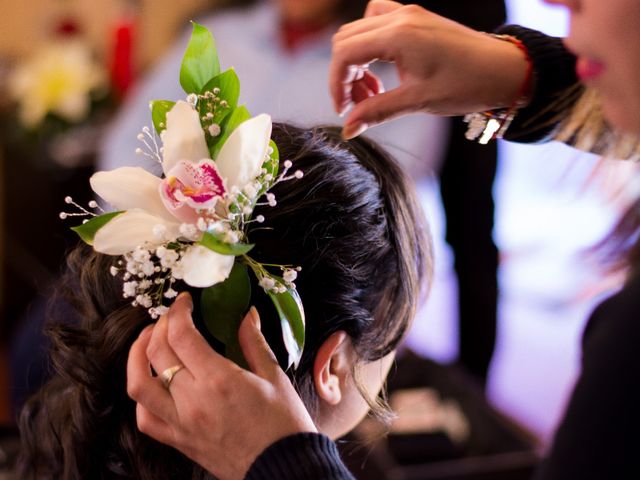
[(353, 225)]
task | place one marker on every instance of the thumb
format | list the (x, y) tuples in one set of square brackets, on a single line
[(378, 109), (256, 350)]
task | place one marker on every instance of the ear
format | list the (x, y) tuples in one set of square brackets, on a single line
[(331, 367)]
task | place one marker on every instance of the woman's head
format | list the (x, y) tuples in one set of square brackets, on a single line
[(353, 226), (605, 36)]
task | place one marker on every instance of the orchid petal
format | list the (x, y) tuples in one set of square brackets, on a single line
[(183, 137), (201, 267), (242, 155), (130, 187), (132, 229)]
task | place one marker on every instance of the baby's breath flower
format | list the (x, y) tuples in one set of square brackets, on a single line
[(144, 300), (129, 289), (250, 190), (189, 231), (267, 283), (214, 130), (132, 268), (290, 275), (141, 255), (169, 258), (171, 293), (231, 237), (147, 268)]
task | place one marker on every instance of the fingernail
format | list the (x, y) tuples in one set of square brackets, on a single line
[(352, 130), (146, 330), (254, 317), (185, 298)]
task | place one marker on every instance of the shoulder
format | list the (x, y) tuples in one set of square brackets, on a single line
[(597, 437)]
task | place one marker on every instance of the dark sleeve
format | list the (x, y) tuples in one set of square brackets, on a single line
[(484, 16), (304, 456), (556, 86), (599, 437)]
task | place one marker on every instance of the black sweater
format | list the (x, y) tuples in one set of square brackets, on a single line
[(599, 435)]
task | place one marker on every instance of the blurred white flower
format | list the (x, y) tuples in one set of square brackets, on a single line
[(59, 79)]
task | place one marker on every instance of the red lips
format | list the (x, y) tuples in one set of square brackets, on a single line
[(588, 69)]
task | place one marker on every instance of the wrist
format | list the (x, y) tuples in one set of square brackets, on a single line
[(510, 76), (494, 122)]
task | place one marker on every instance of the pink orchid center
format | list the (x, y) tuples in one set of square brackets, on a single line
[(190, 187)]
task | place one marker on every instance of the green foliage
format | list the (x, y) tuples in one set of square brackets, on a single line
[(229, 86), (213, 242), (159, 110), (200, 62), (230, 123), (291, 313), (223, 306), (87, 231)]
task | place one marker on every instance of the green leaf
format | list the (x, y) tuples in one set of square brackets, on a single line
[(291, 313), (223, 305), (200, 62), (229, 86), (159, 109), (88, 230), (213, 242), (230, 123)]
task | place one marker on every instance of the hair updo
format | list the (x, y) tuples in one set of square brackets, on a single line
[(351, 223)]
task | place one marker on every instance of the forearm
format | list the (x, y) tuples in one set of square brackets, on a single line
[(304, 456)]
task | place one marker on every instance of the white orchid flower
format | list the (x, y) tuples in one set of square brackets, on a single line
[(241, 157), (155, 208), (183, 137), (200, 269)]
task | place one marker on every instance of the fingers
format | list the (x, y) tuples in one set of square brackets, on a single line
[(255, 349), (360, 49), (373, 82), (357, 27), (161, 355), (154, 426), (377, 109), (366, 87), (380, 7), (141, 386), (190, 346)]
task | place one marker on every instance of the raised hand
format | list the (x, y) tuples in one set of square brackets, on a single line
[(444, 67), (210, 409)]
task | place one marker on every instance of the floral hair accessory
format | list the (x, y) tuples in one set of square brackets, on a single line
[(189, 227)]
